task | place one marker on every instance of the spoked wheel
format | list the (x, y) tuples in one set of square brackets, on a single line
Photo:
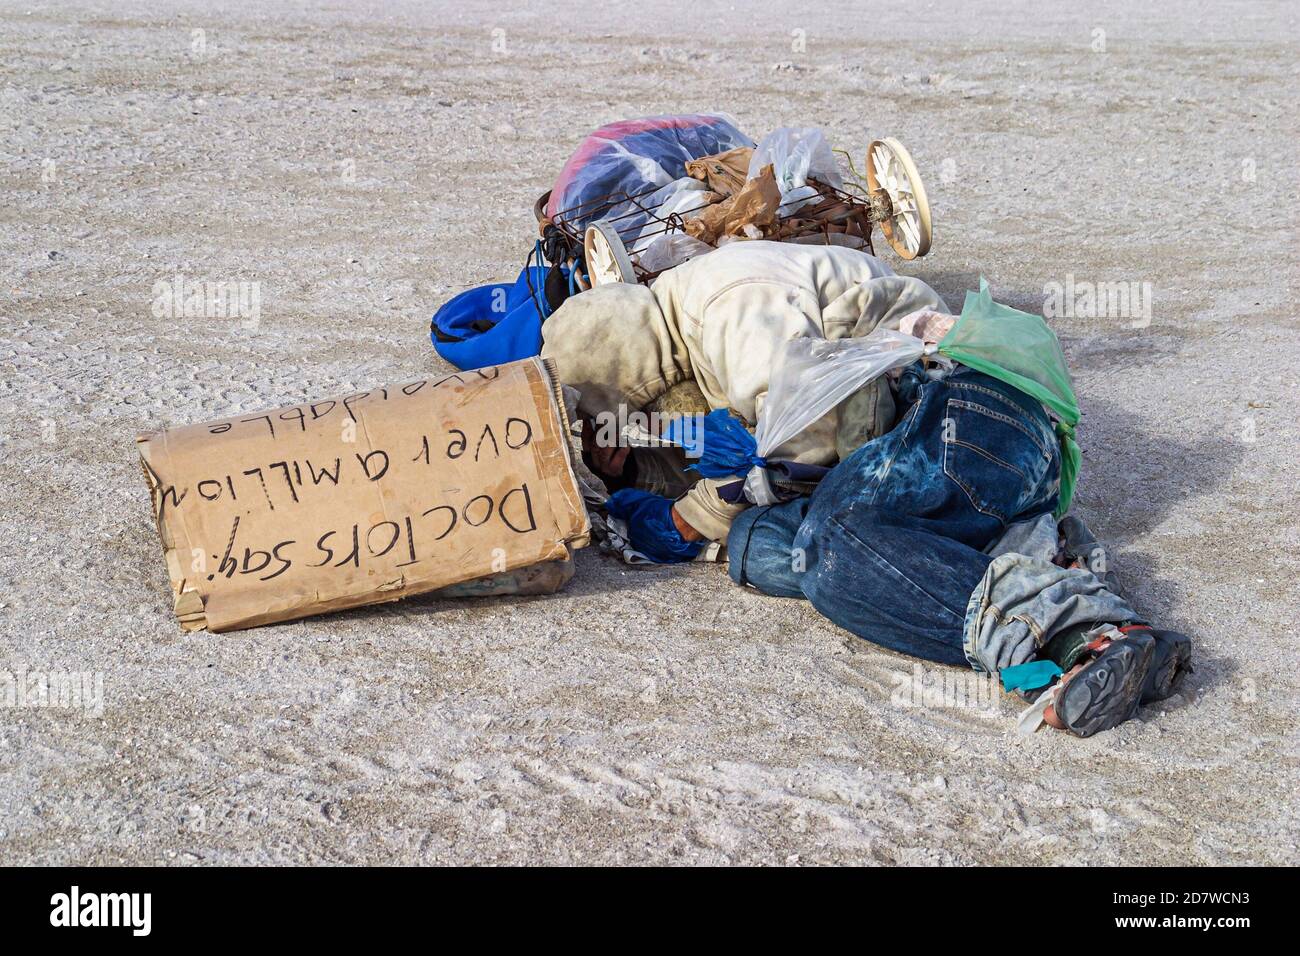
[(890, 170), (606, 255)]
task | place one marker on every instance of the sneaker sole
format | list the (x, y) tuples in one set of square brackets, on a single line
[(1107, 691)]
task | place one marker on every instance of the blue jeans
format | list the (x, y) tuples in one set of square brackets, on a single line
[(891, 545)]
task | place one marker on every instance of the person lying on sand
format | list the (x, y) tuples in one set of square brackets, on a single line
[(705, 336), (938, 540), (935, 536)]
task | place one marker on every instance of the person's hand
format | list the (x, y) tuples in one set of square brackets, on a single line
[(685, 530), (651, 526), (927, 324), (606, 460)]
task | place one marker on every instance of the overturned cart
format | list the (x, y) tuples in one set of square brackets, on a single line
[(641, 196), (619, 213)]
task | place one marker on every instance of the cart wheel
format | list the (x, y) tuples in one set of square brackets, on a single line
[(890, 169), (607, 258)]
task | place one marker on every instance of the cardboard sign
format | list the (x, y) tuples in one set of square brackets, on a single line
[(364, 498)]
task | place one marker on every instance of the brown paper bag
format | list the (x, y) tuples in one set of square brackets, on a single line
[(724, 173), (755, 206), (364, 498)]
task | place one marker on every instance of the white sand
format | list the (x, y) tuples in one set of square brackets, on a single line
[(659, 715)]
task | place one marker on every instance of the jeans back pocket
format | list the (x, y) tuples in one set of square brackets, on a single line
[(994, 454)]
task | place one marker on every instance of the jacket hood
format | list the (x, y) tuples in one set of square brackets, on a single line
[(612, 344)]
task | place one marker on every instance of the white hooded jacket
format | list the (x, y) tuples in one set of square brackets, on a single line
[(722, 319)]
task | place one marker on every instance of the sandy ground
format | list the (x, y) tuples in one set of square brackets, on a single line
[(362, 162)]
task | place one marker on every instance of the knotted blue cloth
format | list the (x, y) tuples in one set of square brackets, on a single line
[(719, 442), (650, 526)]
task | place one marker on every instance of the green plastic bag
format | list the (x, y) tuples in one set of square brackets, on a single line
[(1021, 350)]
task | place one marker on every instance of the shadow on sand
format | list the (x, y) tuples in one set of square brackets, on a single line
[(1133, 478)]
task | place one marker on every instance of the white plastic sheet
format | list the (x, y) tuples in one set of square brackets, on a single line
[(680, 197), (811, 377), (796, 155), (671, 249)]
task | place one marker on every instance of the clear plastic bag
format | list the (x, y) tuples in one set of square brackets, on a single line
[(796, 155), (671, 249), (812, 377), (680, 197), (633, 156)]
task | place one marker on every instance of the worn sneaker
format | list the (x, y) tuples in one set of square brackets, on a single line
[(1107, 690), (1170, 663)]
